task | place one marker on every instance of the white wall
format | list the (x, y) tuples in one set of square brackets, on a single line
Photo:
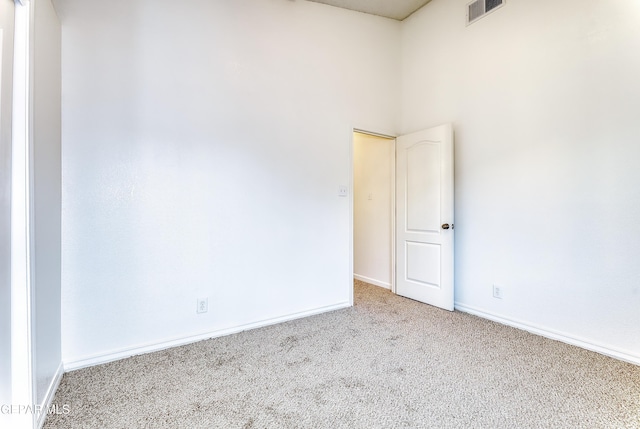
[(6, 83), (545, 98), (46, 252), (373, 178), (204, 143)]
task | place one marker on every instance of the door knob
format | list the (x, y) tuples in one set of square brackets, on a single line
[(445, 226)]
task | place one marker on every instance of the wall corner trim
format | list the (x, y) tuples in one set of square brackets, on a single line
[(551, 334), (114, 355), (372, 281), (48, 398)]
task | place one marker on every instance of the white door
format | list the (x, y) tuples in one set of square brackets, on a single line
[(424, 222)]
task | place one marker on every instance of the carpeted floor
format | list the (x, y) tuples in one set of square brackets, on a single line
[(388, 362)]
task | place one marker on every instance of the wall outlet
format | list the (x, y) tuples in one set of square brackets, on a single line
[(497, 291), (203, 305), (343, 190)]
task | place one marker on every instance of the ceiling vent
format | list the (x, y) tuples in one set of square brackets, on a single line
[(480, 8)]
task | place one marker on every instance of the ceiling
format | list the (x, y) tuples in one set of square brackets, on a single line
[(395, 9)]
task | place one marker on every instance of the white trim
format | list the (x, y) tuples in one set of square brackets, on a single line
[(351, 215), (22, 366), (374, 134), (552, 334), (372, 281), (51, 393), (393, 216), (114, 355)]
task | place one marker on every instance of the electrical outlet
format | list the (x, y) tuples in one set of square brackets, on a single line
[(343, 191), (203, 305), (497, 291)]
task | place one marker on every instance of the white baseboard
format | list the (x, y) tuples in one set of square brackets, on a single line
[(114, 355), (51, 393), (554, 335), (372, 281)]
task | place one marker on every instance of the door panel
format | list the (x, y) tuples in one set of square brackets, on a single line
[(424, 204), (423, 192), (423, 263)]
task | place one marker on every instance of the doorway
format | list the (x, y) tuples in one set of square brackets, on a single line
[(373, 208), (411, 178)]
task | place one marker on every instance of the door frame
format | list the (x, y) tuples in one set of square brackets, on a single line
[(23, 383), (354, 130)]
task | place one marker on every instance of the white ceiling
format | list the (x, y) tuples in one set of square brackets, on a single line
[(395, 9)]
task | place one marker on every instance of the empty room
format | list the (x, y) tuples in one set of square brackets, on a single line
[(319, 214)]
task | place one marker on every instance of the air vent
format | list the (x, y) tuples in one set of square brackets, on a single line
[(480, 8)]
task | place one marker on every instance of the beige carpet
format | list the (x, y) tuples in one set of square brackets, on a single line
[(388, 362)]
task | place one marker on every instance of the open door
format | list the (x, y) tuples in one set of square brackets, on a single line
[(424, 217)]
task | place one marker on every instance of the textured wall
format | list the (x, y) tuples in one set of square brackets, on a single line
[(204, 144), (544, 97)]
